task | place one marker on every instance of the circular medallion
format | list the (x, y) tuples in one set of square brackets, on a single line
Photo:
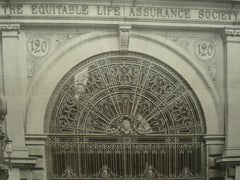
[(205, 50), (38, 45)]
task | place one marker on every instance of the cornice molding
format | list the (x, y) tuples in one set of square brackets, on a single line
[(23, 162), (228, 160), (215, 139)]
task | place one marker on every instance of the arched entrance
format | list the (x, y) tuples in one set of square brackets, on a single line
[(124, 116)]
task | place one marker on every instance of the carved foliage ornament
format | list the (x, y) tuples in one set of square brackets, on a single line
[(205, 49), (129, 94)]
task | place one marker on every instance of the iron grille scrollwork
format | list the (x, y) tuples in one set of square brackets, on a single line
[(124, 116), (126, 158)]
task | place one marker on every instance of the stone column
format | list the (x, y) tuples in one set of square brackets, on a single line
[(231, 155)]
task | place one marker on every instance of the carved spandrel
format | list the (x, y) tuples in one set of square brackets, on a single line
[(205, 49), (183, 42), (41, 45)]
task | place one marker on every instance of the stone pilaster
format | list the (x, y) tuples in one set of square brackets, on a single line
[(231, 156), (232, 56), (15, 84), (214, 148), (237, 172)]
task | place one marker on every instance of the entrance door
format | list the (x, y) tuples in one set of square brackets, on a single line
[(128, 116)]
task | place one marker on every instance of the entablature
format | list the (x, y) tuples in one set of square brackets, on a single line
[(164, 13)]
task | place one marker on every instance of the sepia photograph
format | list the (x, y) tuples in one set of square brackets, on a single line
[(119, 89)]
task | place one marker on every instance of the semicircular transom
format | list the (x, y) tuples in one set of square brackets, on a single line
[(128, 94)]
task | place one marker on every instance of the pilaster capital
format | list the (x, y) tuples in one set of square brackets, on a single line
[(11, 28), (231, 34)]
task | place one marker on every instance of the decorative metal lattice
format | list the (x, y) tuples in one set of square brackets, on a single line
[(124, 99)]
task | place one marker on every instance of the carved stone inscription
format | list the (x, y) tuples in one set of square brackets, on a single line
[(121, 11), (38, 46), (204, 50)]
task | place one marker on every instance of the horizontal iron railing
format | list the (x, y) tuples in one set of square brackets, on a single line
[(125, 157)]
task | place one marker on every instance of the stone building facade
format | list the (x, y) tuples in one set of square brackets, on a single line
[(130, 89)]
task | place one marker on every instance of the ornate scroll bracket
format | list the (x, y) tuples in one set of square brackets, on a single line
[(124, 33), (10, 27), (232, 32)]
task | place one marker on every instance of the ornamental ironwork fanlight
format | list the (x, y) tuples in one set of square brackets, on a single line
[(124, 116)]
